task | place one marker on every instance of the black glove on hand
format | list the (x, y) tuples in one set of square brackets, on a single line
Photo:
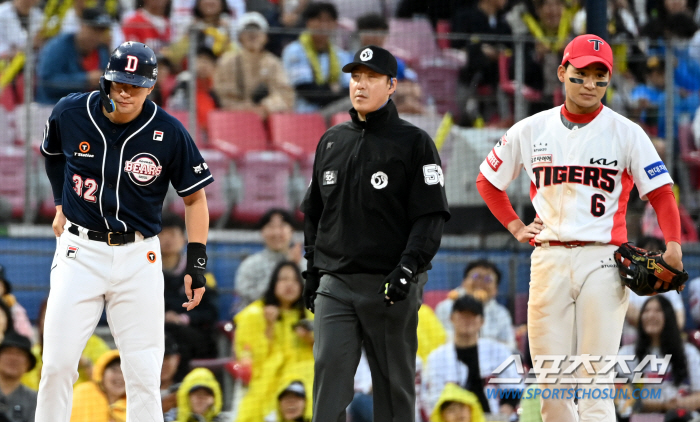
[(196, 264), (313, 280), (396, 285)]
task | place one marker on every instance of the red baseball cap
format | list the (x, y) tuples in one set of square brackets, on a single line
[(586, 49)]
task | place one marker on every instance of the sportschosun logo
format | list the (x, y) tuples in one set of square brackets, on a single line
[(143, 169)]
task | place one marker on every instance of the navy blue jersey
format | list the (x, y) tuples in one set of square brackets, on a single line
[(116, 176)]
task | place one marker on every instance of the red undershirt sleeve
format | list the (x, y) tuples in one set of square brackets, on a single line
[(664, 203), (497, 200)]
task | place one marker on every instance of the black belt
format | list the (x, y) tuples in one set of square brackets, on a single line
[(110, 238)]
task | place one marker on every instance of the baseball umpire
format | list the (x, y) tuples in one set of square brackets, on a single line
[(582, 159), (374, 214), (110, 156)]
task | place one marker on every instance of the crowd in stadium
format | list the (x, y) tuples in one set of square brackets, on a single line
[(281, 56)]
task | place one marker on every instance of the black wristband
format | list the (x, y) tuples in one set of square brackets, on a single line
[(196, 263)]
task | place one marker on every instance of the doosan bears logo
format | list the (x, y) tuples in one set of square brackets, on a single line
[(143, 169)]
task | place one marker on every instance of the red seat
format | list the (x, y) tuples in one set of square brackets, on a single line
[(7, 133), (440, 81), (265, 180), (183, 116), (296, 134), (510, 86), (340, 117), (411, 39), (433, 297), (39, 114), (520, 314), (217, 192), (13, 187), (236, 132)]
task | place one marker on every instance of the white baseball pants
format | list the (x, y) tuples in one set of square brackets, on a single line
[(83, 282), (577, 306)]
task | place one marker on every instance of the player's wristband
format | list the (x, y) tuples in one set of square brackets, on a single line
[(196, 263)]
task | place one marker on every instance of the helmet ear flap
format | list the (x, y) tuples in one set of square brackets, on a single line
[(107, 102)]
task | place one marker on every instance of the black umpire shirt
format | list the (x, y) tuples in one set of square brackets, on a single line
[(376, 198)]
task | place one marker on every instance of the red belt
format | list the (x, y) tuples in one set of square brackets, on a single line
[(573, 244)]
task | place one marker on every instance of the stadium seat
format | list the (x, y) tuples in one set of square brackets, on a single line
[(509, 86), (236, 132), (647, 417), (183, 116), (7, 133), (39, 114), (296, 134), (440, 80), (340, 117), (411, 39), (520, 314), (265, 184), (218, 193), (13, 179)]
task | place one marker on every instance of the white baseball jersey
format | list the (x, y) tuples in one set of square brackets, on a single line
[(582, 177)]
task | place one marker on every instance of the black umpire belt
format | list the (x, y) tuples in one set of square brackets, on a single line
[(110, 238)]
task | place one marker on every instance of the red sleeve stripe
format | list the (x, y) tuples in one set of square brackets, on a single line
[(664, 202), (497, 200)]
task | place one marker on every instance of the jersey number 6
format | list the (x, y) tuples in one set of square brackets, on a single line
[(597, 205), (90, 186)]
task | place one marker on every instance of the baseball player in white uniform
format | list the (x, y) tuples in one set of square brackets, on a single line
[(582, 159)]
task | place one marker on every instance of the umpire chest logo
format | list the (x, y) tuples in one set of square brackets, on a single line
[(380, 180), (330, 177), (143, 169)]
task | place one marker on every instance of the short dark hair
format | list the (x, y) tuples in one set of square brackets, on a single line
[(286, 217), (172, 220), (483, 263), (371, 21), (316, 9), (206, 52)]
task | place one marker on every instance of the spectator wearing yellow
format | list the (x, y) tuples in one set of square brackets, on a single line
[(104, 398), (274, 336), (252, 78), (215, 30), (457, 405), (199, 398), (431, 333), (94, 349)]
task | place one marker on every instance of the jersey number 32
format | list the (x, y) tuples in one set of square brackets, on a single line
[(90, 186)]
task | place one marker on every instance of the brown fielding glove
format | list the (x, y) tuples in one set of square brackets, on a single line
[(640, 270)]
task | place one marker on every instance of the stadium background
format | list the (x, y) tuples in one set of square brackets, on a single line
[(259, 164)]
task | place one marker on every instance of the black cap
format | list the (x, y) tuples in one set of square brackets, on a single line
[(97, 17), (468, 303), (296, 388), (14, 339), (376, 58)]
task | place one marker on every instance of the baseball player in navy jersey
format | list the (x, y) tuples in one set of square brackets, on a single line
[(582, 159), (110, 155)]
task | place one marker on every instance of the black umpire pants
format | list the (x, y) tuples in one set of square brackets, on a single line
[(349, 314)]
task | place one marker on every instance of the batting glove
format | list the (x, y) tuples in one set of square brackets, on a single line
[(312, 281), (396, 285), (197, 264)]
